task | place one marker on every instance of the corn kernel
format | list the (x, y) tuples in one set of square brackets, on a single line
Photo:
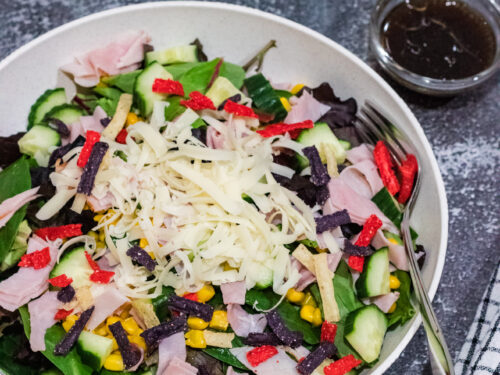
[(143, 243), (114, 362), (286, 104), (101, 236), (93, 234), (219, 320), (112, 320), (152, 254), (394, 282), (393, 240), (98, 217), (124, 314), (307, 313), (393, 307), (317, 320), (309, 300), (115, 344), (130, 325), (295, 297), (195, 339), (227, 267), (295, 89), (69, 321), (196, 323), (100, 245), (206, 293), (132, 118), (139, 341), (101, 330)]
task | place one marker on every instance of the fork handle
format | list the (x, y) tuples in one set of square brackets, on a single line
[(437, 343)]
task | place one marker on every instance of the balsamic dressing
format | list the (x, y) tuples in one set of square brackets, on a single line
[(443, 39)]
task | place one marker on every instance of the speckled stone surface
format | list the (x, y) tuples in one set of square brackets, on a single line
[(464, 133)]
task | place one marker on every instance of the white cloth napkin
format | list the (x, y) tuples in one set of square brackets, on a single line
[(480, 354)]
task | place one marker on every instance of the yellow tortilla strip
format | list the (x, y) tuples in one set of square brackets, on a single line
[(218, 339), (331, 162), (324, 278), (118, 121), (304, 256)]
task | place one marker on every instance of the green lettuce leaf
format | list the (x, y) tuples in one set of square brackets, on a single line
[(404, 309), (18, 247)]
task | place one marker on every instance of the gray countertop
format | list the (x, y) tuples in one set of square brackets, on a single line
[(463, 132)]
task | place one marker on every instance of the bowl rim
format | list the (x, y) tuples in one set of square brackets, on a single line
[(415, 324)]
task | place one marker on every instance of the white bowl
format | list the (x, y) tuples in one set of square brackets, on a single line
[(236, 33)]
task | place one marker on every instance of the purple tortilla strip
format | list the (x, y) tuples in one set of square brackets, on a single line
[(90, 170), (313, 360), (292, 339), (131, 354), (359, 251), (63, 150), (331, 221), (66, 294), (184, 305), (59, 127), (154, 335), (105, 121), (140, 256), (69, 340), (262, 338), (319, 174)]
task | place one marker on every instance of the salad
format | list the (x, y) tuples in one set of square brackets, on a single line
[(170, 214)]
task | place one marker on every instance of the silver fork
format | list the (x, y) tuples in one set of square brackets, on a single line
[(372, 126)]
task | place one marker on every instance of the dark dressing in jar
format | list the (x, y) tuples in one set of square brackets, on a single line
[(443, 39)]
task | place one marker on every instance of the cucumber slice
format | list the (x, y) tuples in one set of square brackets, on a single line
[(264, 97), (365, 329), (321, 133), (75, 265), (388, 205), (345, 144), (94, 349), (143, 89), (221, 89), (374, 280), (179, 54), (67, 113), (39, 142), (260, 274), (48, 100)]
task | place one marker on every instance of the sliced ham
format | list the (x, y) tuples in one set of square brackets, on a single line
[(86, 123), (243, 323), (42, 312), (305, 108), (171, 347), (27, 283), (234, 292), (105, 304), (215, 139), (179, 367), (10, 206), (101, 204), (397, 253), (120, 56), (342, 196), (280, 363), (360, 153), (363, 177), (385, 301)]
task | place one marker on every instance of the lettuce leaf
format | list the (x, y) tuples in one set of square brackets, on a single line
[(404, 309), (18, 248)]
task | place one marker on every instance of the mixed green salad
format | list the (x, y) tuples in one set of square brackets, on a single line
[(171, 214)]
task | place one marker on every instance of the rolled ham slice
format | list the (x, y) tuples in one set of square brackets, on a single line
[(120, 56), (179, 367), (363, 177), (243, 323), (105, 304), (307, 277), (86, 123), (305, 108), (385, 301), (360, 153), (27, 283), (234, 292), (342, 196), (11, 205), (397, 253), (42, 312), (171, 347)]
